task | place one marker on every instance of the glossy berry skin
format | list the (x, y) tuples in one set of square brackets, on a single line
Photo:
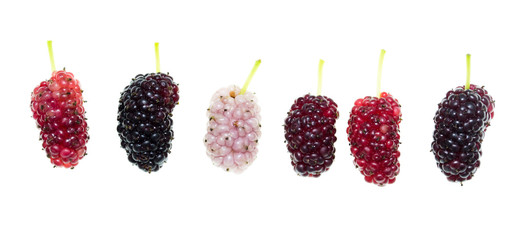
[(373, 134), (145, 126), (57, 107), (233, 129), (310, 134), (460, 124)]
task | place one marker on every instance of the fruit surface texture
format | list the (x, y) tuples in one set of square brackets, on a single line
[(145, 124), (460, 124), (57, 107), (310, 134), (233, 129), (373, 135)]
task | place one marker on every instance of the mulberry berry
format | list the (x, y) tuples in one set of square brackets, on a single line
[(145, 125), (233, 129), (57, 107), (373, 134), (310, 134), (460, 124)]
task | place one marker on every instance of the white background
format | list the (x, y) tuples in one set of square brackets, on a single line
[(206, 45)]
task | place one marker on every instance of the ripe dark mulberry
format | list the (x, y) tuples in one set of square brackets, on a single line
[(460, 125), (57, 106), (310, 134), (373, 134), (145, 125)]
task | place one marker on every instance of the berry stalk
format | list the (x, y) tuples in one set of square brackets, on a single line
[(50, 52), (319, 77), (380, 69), (467, 85), (248, 80), (157, 56)]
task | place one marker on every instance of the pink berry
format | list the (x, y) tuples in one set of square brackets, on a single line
[(57, 107), (233, 129)]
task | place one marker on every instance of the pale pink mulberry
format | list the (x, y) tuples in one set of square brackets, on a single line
[(233, 129)]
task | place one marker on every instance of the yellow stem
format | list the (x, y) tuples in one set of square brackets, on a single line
[(157, 57), (467, 85), (319, 77), (380, 69), (50, 51), (248, 80)]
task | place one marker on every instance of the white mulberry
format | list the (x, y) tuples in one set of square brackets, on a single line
[(233, 129)]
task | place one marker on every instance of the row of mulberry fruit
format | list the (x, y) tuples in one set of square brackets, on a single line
[(145, 126)]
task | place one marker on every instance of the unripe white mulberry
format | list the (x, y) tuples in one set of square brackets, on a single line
[(233, 129)]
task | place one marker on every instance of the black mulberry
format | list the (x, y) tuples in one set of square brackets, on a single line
[(145, 125)]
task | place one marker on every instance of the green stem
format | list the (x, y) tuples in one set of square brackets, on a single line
[(157, 57), (248, 80), (50, 51), (319, 77), (380, 69), (467, 85)]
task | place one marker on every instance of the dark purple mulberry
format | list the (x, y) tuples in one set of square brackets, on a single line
[(460, 125), (145, 125), (310, 134)]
